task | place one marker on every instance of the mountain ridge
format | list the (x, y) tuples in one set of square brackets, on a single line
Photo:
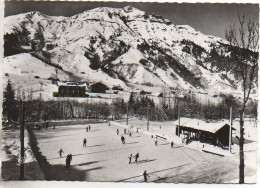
[(125, 46)]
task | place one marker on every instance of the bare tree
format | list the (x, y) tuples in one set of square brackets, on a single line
[(245, 56)]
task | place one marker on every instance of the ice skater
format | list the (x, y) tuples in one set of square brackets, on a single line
[(130, 134), (54, 127), (136, 157), (46, 125), (145, 176), (172, 144), (117, 131), (123, 139), (68, 161), (130, 158), (108, 123), (60, 152), (137, 130), (124, 131), (85, 143), (156, 142), (89, 127)]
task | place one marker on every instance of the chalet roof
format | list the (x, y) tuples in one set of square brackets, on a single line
[(197, 124)]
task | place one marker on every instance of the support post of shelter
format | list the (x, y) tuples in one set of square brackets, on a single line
[(179, 121), (230, 130), (147, 116), (127, 113)]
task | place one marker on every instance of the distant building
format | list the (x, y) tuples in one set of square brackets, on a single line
[(145, 93), (98, 88), (117, 88), (160, 95), (71, 91)]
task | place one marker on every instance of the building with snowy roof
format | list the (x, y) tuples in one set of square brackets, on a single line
[(216, 133)]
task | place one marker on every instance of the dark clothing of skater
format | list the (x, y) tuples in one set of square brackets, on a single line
[(117, 131), (130, 158), (145, 176), (108, 123), (86, 129), (156, 142), (54, 127), (136, 157), (171, 144), (123, 139), (89, 127), (130, 134), (124, 131), (60, 152), (68, 161), (84, 142), (47, 125)]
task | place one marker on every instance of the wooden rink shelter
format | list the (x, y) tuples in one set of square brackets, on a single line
[(215, 133)]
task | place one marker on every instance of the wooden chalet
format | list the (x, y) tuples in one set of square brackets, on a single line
[(98, 88), (212, 133)]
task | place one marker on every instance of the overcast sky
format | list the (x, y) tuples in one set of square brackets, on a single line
[(211, 19)]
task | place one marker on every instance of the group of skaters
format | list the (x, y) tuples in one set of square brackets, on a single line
[(156, 141), (68, 158), (135, 157), (44, 125), (122, 137), (132, 158), (88, 128)]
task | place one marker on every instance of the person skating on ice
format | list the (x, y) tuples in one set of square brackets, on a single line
[(85, 143), (60, 152)]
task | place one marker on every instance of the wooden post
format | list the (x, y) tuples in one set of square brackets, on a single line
[(127, 113), (147, 116), (22, 140), (179, 122), (241, 150), (230, 130)]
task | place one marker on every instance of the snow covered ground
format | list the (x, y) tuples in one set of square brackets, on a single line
[(167, 130), (10, 156), (106, 159), (11, 146)]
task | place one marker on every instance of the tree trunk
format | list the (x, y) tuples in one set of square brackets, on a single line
[(241, 150)]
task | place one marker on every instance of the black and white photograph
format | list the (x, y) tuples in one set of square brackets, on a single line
[(130, 92)]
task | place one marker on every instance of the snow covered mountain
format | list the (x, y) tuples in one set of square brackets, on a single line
[(123, 47)]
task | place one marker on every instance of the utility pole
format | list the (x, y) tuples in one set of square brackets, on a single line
[(147, 116), (241, 150), (230, 130), (179, 122), (127, 113), (22, 140)]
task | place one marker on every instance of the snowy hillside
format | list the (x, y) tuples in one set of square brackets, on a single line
[(119, 47)]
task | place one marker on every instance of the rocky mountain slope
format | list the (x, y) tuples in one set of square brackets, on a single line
[(122, 47)]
